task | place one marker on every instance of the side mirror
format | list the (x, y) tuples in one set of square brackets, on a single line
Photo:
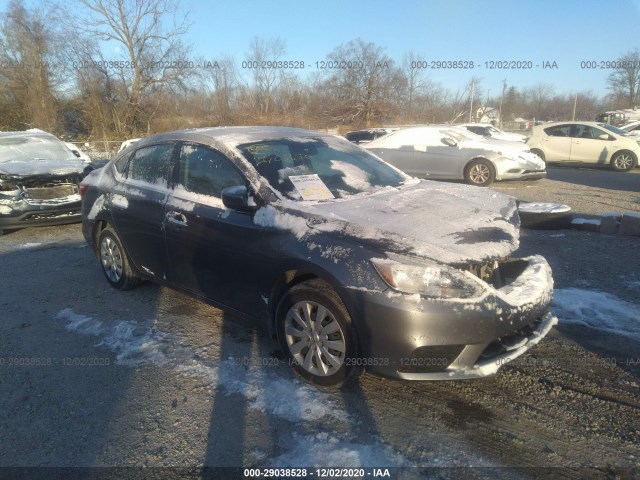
[(237, 198), (448, 141), (603, 136)]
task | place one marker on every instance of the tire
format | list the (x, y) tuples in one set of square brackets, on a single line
[(114, 261), (541, 220), (480, 173), (623, 161), (332, 360)]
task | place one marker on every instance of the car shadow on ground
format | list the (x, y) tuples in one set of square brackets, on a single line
[(595, 176)]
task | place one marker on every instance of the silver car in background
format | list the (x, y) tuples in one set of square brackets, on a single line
[(447, 153)]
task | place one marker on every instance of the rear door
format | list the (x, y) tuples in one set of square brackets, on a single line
[(137, 207), (211, 250), (590, 144), (556, 143)]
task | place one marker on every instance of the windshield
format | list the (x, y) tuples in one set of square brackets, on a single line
[(319, 168), (613, 129), (459, 135), (25, 149)]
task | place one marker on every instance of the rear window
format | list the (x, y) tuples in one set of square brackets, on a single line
[(151, 164)]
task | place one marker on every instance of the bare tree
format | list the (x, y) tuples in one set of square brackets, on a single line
[(150, 32), (263, 59), (360, 81), (624, 82), (28, 50)]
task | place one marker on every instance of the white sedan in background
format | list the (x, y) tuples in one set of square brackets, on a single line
[(447, 153), (489, 131)]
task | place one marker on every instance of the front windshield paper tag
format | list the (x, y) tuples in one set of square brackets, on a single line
[(310, 187)]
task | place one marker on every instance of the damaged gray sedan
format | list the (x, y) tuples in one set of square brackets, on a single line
[(39, 180), (346, 261)]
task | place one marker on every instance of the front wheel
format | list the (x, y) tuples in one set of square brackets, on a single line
[(314, 331), (623, 161), (115, 264), (480, 173)]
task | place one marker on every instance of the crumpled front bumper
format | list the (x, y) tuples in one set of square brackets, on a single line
[(441, 339), (23, 213)]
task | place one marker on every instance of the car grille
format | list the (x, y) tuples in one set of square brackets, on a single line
[(510, 342), (498, 273), (52, 215), (49, 192)]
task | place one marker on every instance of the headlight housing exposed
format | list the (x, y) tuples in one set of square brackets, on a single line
[(426, 278)]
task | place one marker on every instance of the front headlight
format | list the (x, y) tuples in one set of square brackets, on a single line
[(426, 278)]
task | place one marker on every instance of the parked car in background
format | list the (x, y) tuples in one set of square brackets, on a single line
[(365, 136), (344, 259), (489, 131), (585, 142), (443, 152), (77, 152), (39, 178), (632, 129)]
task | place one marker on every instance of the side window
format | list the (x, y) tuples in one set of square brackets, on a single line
[(151, 164), (558, 131), (206, 172), (121, 164)]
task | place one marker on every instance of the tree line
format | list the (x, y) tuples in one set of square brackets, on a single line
[(55, 75)]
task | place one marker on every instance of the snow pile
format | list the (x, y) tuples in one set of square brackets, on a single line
[(596, 309), (323, 450), (133, 344), (270, 217)]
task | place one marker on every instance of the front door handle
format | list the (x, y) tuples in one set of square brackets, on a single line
[(176, 218)]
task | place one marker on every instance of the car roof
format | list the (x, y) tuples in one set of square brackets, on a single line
[(236, 135)]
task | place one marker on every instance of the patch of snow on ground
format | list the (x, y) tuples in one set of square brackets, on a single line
[(323, 449), (135, 344), (29, 245), (596, 309)]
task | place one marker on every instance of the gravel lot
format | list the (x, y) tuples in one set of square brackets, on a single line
[(95, 377), (588, 191)]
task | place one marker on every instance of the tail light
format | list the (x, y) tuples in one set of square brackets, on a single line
[(83, 190)]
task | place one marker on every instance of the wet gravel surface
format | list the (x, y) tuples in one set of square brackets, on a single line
[(95, 377)]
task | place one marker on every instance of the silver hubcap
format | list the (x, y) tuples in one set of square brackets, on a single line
[(314, 338), (479, 173), (623, 161), (111, 258)]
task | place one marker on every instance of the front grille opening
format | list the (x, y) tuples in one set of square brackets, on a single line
[(499, 273), (51, 215), (508, 343), (52, 191), (430, 359)]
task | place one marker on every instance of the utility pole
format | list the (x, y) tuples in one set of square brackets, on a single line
[(575, 103), (504, 87), (473, 92)]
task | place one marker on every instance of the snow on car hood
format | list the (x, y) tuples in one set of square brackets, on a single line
[(449, 223), (42, 167)]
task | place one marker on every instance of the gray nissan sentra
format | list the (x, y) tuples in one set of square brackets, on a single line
[(350, 264)]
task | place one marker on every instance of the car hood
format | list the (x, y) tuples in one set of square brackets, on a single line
[(27, 168), (446, 222)]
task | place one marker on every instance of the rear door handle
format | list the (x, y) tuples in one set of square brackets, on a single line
[(176, 218)]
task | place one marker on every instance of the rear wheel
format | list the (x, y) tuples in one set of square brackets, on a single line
[(480, 173), (314, 331), (115, 264), (623, 161)]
